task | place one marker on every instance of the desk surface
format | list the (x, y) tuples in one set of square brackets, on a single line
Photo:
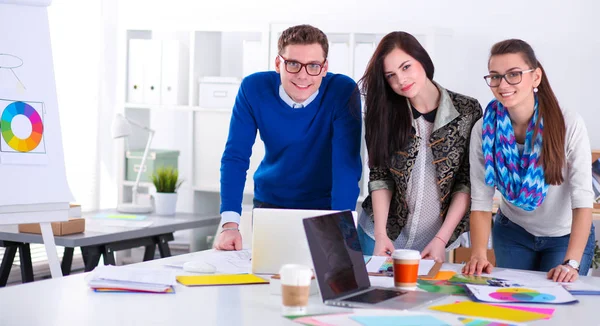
[(107, 234), (68, 301)]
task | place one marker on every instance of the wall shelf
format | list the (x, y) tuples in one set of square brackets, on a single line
[(185, 108), (200, 133), (141, 184)]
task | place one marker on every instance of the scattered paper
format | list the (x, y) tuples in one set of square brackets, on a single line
[(423, 320), (546, 311), (226, 279), (127, 278), (134, 274), (481, 322), (482, 280), (425, 266), (476, 309), (444, 287), (375, 263), (368, 317), (226, 262), (373, 317), (524, 278), (441, 276), (580, 288), (552, 295), (384, 264)]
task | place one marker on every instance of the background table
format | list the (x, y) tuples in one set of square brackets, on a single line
[(102, 241)]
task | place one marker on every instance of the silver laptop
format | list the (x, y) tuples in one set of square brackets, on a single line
[(278, 238), (341, 271)]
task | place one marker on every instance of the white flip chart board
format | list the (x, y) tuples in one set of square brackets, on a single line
[(33, 183)]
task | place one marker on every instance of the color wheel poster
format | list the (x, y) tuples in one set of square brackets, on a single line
[(22, 132), (529, 294)]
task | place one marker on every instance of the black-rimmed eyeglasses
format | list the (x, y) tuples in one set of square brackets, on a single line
[(511, 77), (294, 67)]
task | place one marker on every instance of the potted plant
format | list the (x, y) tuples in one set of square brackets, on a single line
[(166, 180)]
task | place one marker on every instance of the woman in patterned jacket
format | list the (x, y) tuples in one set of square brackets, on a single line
[(417, 135), (538, 157)]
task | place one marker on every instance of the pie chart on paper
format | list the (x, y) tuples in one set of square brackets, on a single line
[(21, 126)]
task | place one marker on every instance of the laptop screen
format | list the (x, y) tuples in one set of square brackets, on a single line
[(337, 257)]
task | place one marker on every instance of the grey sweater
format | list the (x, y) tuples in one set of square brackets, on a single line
[(553, 218)]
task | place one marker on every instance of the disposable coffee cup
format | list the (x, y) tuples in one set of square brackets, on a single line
[(295, 288), (406, 268)]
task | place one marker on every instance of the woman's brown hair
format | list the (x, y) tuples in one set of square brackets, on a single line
[(388, 121), (552, 157)]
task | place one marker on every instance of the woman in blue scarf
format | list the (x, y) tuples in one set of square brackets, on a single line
[(538, 157)]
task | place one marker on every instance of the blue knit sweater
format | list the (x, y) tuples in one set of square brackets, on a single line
[(312, 155)]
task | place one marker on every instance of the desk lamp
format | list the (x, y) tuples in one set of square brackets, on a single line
[(122, 128)]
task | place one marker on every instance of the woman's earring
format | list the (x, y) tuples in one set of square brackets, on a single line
[(535, 89)]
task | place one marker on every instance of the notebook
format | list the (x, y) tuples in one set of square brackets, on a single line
[(225, 279), (341, 271)]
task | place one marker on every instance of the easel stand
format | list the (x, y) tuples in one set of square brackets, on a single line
[(48, 237)]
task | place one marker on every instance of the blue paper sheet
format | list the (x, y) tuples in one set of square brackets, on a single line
[(424, 320)]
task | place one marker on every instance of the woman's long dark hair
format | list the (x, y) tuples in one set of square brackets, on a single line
[(553, 144), (387, 118)]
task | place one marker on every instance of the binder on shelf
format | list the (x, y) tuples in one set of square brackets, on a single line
[(339, 56), (152, 71), (362, 55), (135, 72), (253, 58), (173, 83)]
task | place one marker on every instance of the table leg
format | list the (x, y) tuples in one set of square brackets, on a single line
[(149, 252), (7, 262), (67, 261), (26, 265), (91, 257), (109, 256), (163, 245)]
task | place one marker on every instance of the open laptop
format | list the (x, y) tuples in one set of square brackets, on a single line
[(278, 238), (341, 272)]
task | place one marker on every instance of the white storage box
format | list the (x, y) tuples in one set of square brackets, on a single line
[(217, 92)]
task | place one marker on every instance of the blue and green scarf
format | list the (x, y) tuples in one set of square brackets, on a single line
[(519, 178)]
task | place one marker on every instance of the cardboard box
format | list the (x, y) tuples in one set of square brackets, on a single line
[(463, 255), (72, 226)]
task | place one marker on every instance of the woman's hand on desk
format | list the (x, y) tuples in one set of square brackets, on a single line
[(477, 265), (435, 250), (229, 239), (563, 273), (383, 246)]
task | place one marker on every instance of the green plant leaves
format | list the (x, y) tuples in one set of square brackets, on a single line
[(166, 179)]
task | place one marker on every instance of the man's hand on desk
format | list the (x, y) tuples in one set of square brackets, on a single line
[(230, 238)]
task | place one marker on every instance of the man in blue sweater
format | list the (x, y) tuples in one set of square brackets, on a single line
[(310, 123)]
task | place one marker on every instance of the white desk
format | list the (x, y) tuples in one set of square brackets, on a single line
[(68, 301)]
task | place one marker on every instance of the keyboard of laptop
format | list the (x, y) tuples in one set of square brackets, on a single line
[(375, 296)]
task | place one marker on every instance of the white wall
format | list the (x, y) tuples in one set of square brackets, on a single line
[(562, 33)]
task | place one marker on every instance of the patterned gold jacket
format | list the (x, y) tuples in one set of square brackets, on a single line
[(449, 142)]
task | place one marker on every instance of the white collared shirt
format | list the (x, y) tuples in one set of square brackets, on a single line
[(288, 100)]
